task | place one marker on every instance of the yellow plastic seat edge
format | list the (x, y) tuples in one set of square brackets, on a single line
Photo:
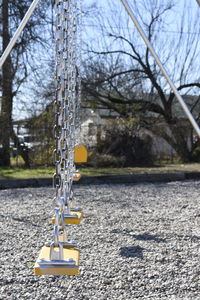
[(76, 220), (73, 253)]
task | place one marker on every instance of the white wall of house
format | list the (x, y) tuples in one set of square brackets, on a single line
[(93, 126)]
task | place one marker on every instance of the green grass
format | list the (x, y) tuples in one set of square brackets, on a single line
[(14, 172), (30, 265)]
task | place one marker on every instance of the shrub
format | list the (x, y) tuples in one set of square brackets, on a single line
[(196, 154), (123, 140), (98, 160)]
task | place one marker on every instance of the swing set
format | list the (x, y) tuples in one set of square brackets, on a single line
[(61, 257)]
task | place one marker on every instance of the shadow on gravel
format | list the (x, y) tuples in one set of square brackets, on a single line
[(26, 221), (132, 251), (140, 237), (188, 236), (148, 237)]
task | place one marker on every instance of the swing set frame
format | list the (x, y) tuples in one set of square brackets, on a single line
[(63, 257), (142, 34)]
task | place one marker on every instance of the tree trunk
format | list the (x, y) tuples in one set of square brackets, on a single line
[(181, 144), (177, 137), (7, 97)]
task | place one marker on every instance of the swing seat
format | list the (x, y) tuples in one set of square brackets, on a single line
[(80, 154), (65, 263), (62, 238), (72, 218), (78, 211), (76, 176)]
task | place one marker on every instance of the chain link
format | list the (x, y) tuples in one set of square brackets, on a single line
[(67, 103), (79, 60)]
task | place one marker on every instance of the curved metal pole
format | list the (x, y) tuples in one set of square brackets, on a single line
[(18, 32), (148, 44)]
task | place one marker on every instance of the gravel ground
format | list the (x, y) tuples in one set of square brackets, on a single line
[(137, 242)]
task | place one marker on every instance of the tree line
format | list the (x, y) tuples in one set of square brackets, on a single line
[(118, 70)]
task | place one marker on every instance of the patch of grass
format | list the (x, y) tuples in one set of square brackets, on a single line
[(30, 265), (14, 173), (103, 171)]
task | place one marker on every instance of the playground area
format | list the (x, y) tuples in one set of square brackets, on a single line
[(136, 242), (109, 241)]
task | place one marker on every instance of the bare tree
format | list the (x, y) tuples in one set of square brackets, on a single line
[(122, 74)]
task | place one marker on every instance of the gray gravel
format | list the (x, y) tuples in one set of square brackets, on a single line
[(137, 242)]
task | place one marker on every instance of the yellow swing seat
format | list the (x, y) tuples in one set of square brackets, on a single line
[(78, 211), (80, 154), (73, 218), (58, 260), (76, 175), (62, 238)]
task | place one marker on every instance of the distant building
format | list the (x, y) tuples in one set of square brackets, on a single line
[(95, 120), (160, 146)]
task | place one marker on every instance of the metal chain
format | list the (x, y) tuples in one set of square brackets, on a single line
[(79, 63), (66, 107)]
